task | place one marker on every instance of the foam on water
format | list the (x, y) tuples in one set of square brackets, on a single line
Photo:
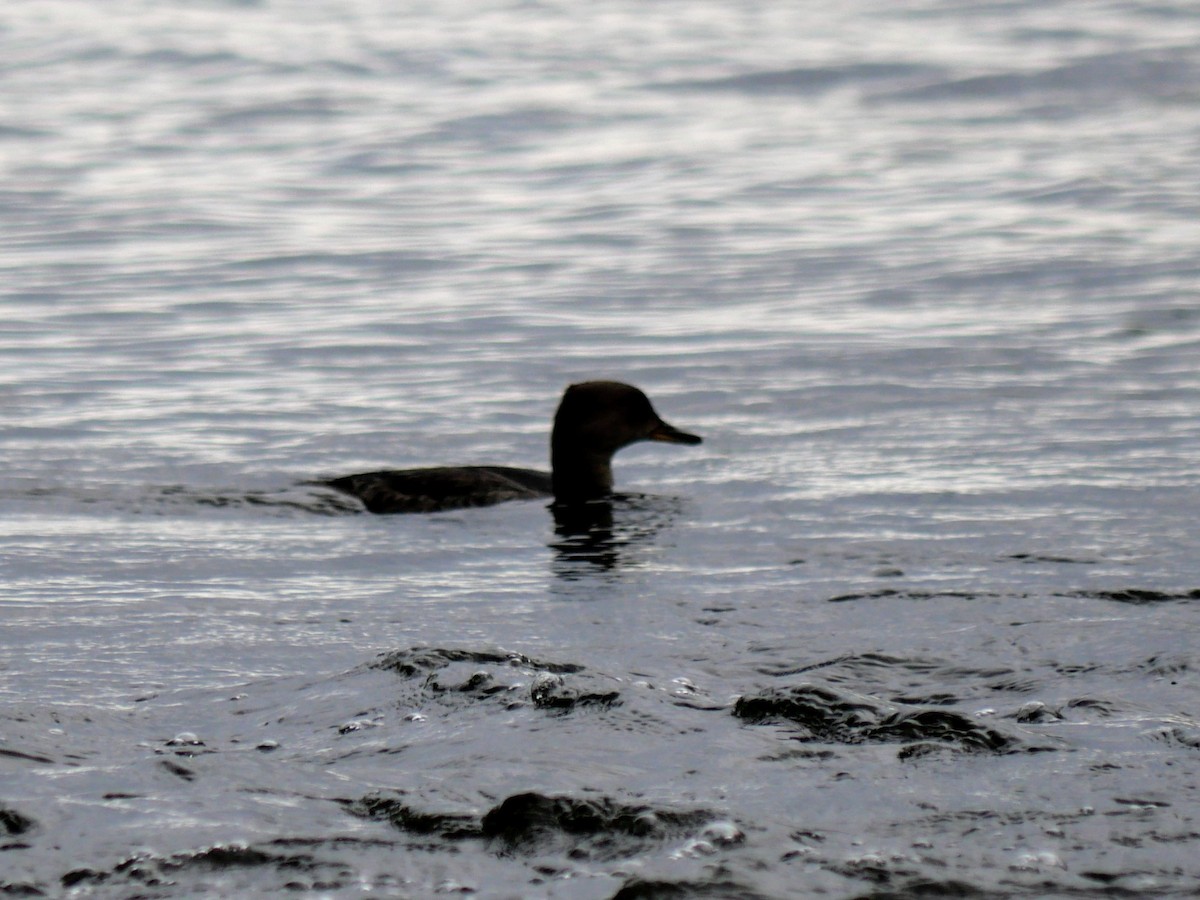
[(917, 617)]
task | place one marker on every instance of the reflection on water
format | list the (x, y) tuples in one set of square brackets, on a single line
[(606, 535)]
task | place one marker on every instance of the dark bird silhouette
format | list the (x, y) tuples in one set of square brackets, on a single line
[(594, 420)]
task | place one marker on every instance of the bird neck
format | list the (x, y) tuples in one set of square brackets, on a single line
[(578, 474)]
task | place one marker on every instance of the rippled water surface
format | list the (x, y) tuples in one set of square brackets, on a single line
[(919, 616)]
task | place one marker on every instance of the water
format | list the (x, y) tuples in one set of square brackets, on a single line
[(917, 617)]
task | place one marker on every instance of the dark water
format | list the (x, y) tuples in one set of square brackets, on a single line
[(917, 619)]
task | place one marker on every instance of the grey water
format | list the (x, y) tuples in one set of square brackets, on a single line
[(919, 618)]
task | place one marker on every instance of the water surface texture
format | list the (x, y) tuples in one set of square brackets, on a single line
[(919, 618)]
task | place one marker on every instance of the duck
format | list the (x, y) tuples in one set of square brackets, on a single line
[(594, 420)]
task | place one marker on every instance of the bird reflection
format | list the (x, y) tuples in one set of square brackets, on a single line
[(603, 536)]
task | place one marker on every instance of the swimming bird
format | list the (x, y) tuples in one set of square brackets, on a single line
[(594, 420)]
